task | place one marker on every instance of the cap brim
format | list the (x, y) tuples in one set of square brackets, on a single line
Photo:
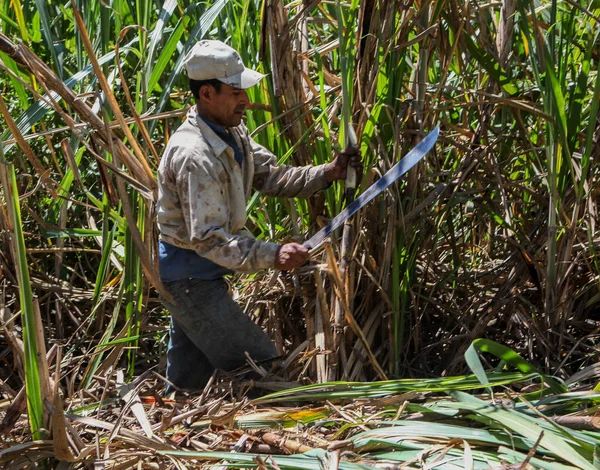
[(245, 79)]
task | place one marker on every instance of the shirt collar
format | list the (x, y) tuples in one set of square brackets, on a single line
[(218, 145)]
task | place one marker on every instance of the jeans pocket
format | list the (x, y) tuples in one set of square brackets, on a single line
[(193, 295), (205, 289)]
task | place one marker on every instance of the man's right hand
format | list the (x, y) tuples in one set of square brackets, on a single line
[(291, 256)]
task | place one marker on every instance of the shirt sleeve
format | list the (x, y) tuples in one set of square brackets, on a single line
[(284, 180), (206, 213)]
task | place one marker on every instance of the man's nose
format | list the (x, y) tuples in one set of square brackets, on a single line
[(244, 98)]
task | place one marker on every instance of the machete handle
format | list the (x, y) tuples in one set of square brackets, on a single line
[(350, 177), (351, 141)]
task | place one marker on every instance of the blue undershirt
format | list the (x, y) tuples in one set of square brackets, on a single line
[(178, 263)]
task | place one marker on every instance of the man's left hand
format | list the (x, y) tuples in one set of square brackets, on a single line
[(337, 169)]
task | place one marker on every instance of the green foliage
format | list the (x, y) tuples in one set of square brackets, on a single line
[(493, 235), (33, 382)]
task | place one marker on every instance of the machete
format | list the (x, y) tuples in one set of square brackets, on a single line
[(399, 169)]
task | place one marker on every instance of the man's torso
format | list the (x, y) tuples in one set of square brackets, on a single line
[(202, 144)]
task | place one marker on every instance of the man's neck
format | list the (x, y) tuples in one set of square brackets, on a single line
[(209, 121)]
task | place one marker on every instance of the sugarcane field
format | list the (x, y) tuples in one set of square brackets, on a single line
[(299, 234)]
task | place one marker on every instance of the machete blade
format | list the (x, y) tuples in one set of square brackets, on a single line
[(399, 169)]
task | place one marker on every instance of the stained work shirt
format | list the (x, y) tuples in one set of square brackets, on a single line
[(202, 197), (178, 263)]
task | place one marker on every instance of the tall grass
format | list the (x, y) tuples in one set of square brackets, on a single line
[(34, 350), (492, 235)]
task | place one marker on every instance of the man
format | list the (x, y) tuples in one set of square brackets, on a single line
[(206, 176)]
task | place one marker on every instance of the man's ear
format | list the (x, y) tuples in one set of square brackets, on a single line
[(206, 92)]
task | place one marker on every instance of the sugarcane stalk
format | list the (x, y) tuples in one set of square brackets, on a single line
[(349, 139), (346, 253)]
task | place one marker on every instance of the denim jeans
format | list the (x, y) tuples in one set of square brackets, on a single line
[(209, 331)]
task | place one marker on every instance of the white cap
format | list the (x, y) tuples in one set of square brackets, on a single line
[(210, 59)]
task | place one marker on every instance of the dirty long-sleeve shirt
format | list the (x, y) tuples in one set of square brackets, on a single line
[(203, 194)]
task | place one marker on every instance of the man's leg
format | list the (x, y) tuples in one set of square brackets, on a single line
[(214, 323), (187, 366)]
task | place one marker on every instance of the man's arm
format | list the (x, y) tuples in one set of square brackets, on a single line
[(285, 180), (288, 181)]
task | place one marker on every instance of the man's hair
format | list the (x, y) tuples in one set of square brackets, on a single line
[(195, 85)]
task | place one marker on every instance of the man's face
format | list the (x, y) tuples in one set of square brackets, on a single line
[(225, 107)]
